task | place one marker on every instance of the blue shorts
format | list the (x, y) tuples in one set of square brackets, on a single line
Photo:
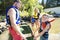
[(44, 37), (32, 20)]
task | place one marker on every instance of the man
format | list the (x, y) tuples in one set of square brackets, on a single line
[(44, 28), (13, 20)]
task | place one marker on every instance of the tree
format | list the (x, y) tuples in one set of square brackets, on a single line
[(3, 5), (43, 2), (29, 5)]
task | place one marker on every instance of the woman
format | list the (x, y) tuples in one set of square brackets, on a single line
[(35, 22)]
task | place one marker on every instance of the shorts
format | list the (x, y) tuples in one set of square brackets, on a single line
[(14, 34), (44, 37), (33, 20)]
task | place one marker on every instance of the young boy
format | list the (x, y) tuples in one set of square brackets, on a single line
[(44, 28)]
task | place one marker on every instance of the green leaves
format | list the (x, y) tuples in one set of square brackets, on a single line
[(29, 6)]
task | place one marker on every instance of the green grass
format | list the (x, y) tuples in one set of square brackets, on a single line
[(55, 26)]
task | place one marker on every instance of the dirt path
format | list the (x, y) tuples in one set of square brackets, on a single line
[(54, 36), (4, 35)]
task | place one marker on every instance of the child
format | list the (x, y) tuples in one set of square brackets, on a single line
[(44, 28)]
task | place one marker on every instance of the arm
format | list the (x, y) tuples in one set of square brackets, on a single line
[(47, 28), (12, 15)]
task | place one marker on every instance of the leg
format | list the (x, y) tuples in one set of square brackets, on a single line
[(32, 24), (42, 38), (37, 23)]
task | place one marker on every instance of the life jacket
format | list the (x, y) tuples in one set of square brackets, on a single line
[(17, 15), (44, 24), (42, 27), (36, 15)]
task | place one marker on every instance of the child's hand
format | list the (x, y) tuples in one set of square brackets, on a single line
[(35, 37), (32, 34)]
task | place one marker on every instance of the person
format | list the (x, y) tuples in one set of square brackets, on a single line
[(35, 22), (13, 20), (44, 28)]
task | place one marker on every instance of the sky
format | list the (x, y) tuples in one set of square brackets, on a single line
[(41, 1)]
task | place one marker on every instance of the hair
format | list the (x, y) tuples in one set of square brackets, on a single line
[(44, 15), (16, 1), (36, 9)]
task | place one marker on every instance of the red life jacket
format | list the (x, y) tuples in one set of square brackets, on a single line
[(44, 24)]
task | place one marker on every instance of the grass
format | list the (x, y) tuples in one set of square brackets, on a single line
[(55, 26)]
